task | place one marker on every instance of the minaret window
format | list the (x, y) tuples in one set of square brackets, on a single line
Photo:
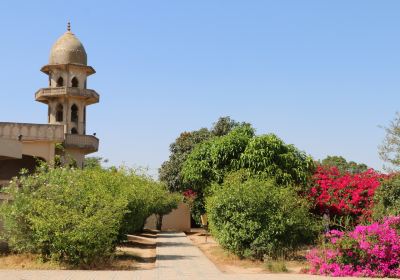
[(60, 82), (74, 131), (74, 82), (59, 113), (74, 113)]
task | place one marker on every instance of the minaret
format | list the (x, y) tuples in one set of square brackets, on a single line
[(67, 95)]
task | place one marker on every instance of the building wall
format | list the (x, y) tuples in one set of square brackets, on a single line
[(10, 148), (44, 150), (177, 220), (12, 167)]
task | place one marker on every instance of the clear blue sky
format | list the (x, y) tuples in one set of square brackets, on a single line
[(322, 75)]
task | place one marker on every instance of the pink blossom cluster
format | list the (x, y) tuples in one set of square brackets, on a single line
[(369, 251), (189, 194), (189, 197)]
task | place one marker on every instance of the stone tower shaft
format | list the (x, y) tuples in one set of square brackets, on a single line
[(67, 95)]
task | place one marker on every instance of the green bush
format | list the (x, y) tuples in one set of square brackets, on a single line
[(387, 198), (77, 216), (255, 218)]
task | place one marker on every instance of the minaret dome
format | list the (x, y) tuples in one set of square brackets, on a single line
[(68, 50)]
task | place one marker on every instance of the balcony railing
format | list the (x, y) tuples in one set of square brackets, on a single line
[(43, 94), (88, 143)]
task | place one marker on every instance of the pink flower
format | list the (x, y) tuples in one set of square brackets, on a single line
[(369, 251)]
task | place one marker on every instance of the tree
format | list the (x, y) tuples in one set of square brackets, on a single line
[(264, 156), (165, 204), (210, 160), (260, 155), (170, 171), (223, 126), (93, 162), (389, 150), (343, 165)]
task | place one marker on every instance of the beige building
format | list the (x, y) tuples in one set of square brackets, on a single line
[(67, 97)]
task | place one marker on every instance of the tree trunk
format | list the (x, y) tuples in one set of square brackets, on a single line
[(159, 222)]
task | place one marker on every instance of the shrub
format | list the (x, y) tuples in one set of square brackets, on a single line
[(64, 215), (256, 218), (77, 216), (344, 194), (370, 251), (387, 198)]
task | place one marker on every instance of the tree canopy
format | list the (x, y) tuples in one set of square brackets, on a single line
[(170, 171), (389, 150), (343, 165), (265, 155)]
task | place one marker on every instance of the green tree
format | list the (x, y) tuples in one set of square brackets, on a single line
[(389, 150), (343, 165), (223, 126), (387, 198), (265, 154), (93, 162), (170, 171), (269, 156), (209, 161)]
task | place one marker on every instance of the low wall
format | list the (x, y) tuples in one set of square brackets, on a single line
[(177, 220)]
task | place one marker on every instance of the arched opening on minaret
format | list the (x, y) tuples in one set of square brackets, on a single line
[(60, 82), (59, 113), (74, 82), (74, 113), (74, 131)]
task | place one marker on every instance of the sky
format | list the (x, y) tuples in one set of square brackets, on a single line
[(322, 75)]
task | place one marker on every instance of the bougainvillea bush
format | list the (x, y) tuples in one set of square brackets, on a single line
[(344, 194), (371, 251)]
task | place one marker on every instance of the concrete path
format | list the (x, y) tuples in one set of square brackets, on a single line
[(177, 258)]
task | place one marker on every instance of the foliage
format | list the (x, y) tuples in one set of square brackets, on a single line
[(210, 160), (189, 196), (389, 150), (93, 162), (170, 171), (269, 155), (77, 216), (254, 218), (162, 203), (266, 154), (63, 216), (343, 165), (223, 126), (370, 251), (387, 198), (344, 194)]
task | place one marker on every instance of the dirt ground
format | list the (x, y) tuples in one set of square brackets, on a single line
[(230, 263), (138, 252)]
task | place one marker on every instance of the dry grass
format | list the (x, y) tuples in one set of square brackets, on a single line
[(230, 263), (139, 252), (26, 261)]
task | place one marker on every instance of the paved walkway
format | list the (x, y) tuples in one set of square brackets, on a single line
[(177, 258)]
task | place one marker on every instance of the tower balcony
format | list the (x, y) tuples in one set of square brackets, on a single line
[(45, 94), (87, 143)]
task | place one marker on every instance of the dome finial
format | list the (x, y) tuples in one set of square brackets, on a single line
[(69, 26)]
